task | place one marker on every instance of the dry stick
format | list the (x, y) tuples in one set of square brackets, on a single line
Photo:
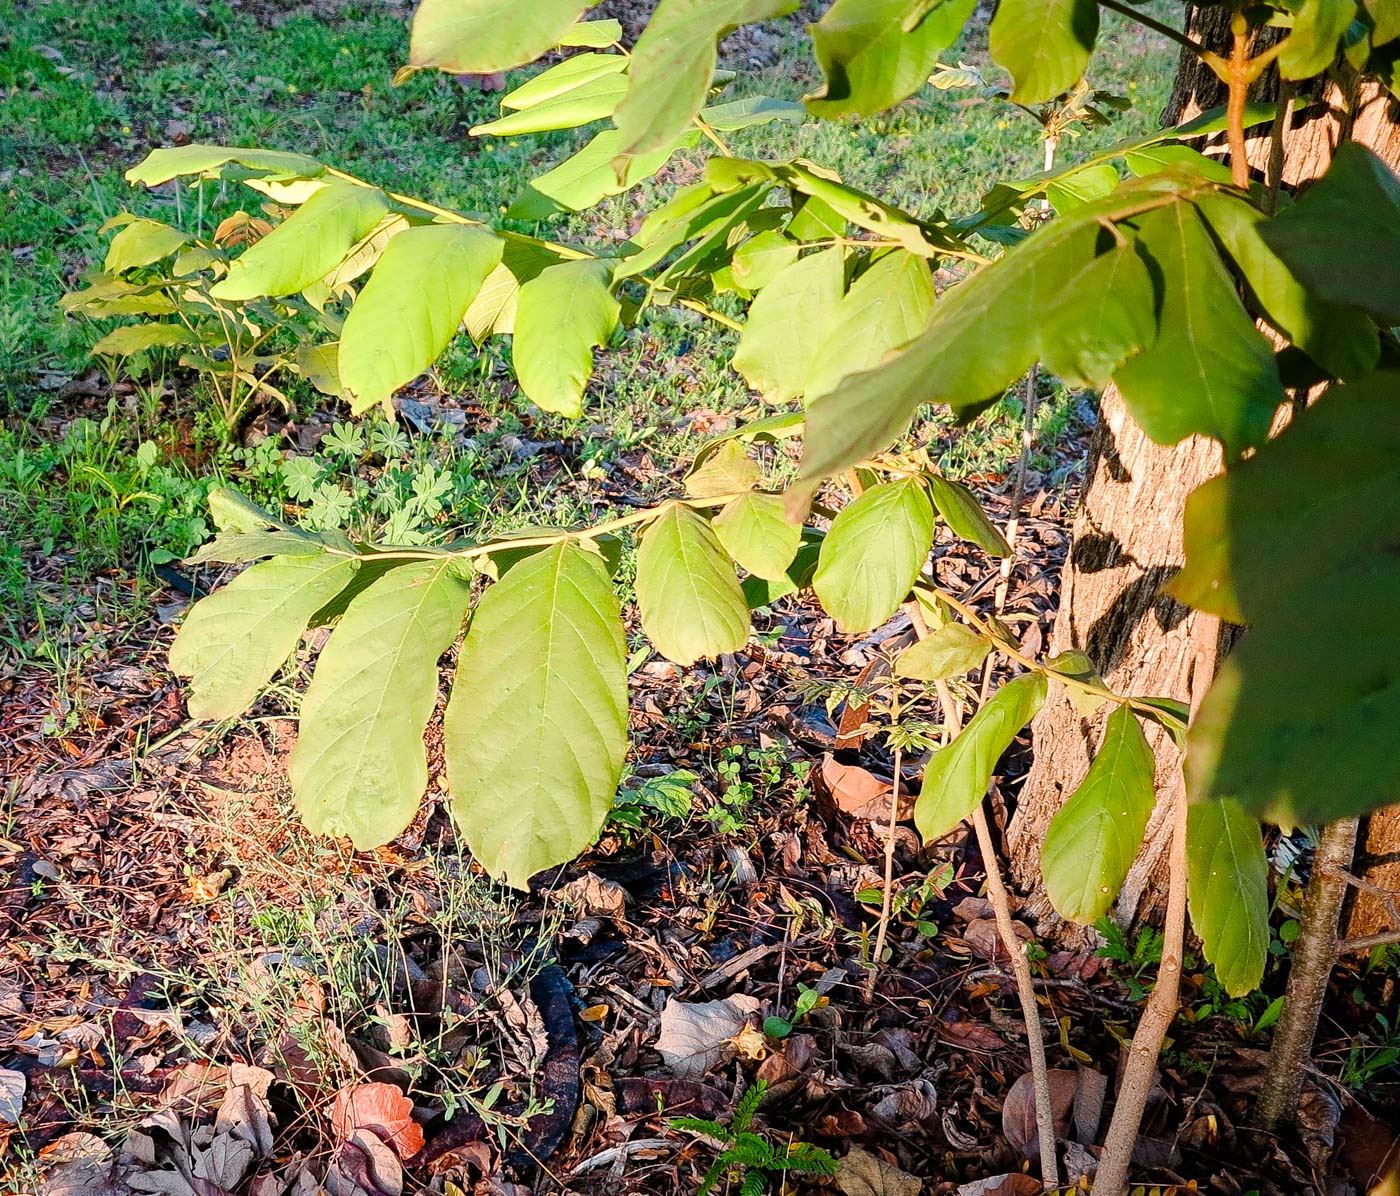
[(1314, 953), (1156, 1020), (1016, 952), (887, 900), (1239, 96)]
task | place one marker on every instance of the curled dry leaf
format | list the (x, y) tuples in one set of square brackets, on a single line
[(383, 1110), (859, 793), (13, 1085), (1013, 1184), (866, 1174), (1018, 1110), (699, 1035)]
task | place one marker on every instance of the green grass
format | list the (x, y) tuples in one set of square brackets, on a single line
[(88, 89)]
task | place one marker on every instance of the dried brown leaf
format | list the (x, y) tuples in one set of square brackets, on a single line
[(382, 1109), (1018, 1110), (859, 793), (699, 1035), (866, 1174)]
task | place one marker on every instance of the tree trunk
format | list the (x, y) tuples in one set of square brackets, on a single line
[(1378, 862), (1127, 532)]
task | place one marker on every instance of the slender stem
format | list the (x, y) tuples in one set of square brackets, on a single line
[(1157, 1017), (1015, 950), (1239, 95), (1314, 953), (887, 900), (713, 137), (1365, 942), (1165, 30)]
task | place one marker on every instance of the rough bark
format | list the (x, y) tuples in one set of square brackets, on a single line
[(1378, 862), (1127, 532)]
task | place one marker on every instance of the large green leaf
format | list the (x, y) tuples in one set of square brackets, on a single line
[(1045, 44), (1342, 340), (788, 324), (162, 165), (873, 552), (411, 307), (756, 532), (468, 37), (562, 78), (733, 115), (727, 470), (1210, 370), (693, 212), (305, 246), (1318, 28), (140, 243), (673, 65), (582, 180), (536, 728), (949, 651), (886, 307), (493, 309), (1299, 543), (983, 335), (1228, 888), (359, 767), (871, 61), (689, 595), (590, 100), (957, 777), (1095, 836), (233, 641), (562, 314), (137, 338), (1356, 203)]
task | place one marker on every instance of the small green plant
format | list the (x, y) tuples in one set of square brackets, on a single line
[(1368, 1062), (749, 1162), (1137, 956), (666, 796), (172, 280), (807, 999)]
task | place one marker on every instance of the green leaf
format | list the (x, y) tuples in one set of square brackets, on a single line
[(595, 34), (563, 78), (233, 641), (1210, 370), (957, 777), (734, 115), (359, 767), (1298, 542), (788, 324), (982, 336), (1079, 187), (162, 165), (762, 258), (885, 308), (236, 548), (689, 595), (137, 338), (1357, 202), (1045, 44), (755, 531), (951, 651), (536, 728), (561, 315), (319, 365), (760, 592), (673, 64), (728, 470), (1095, 836), (964, 514), (411, 307), (870, 61), (582, 180), (1318, 27), (1340, 339), (1228, 891), (140, 243), (593, 99), (693, 212), (481, 37), (116, 297), (493, 309), (305, 246), (873, 553), (1110, 315)]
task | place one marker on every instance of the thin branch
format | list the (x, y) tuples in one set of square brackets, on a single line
[(1209, 57), (1239, 97), (1367, 942), (1015, 949), (1314, 955), (1162, 1005), (887, 899)]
